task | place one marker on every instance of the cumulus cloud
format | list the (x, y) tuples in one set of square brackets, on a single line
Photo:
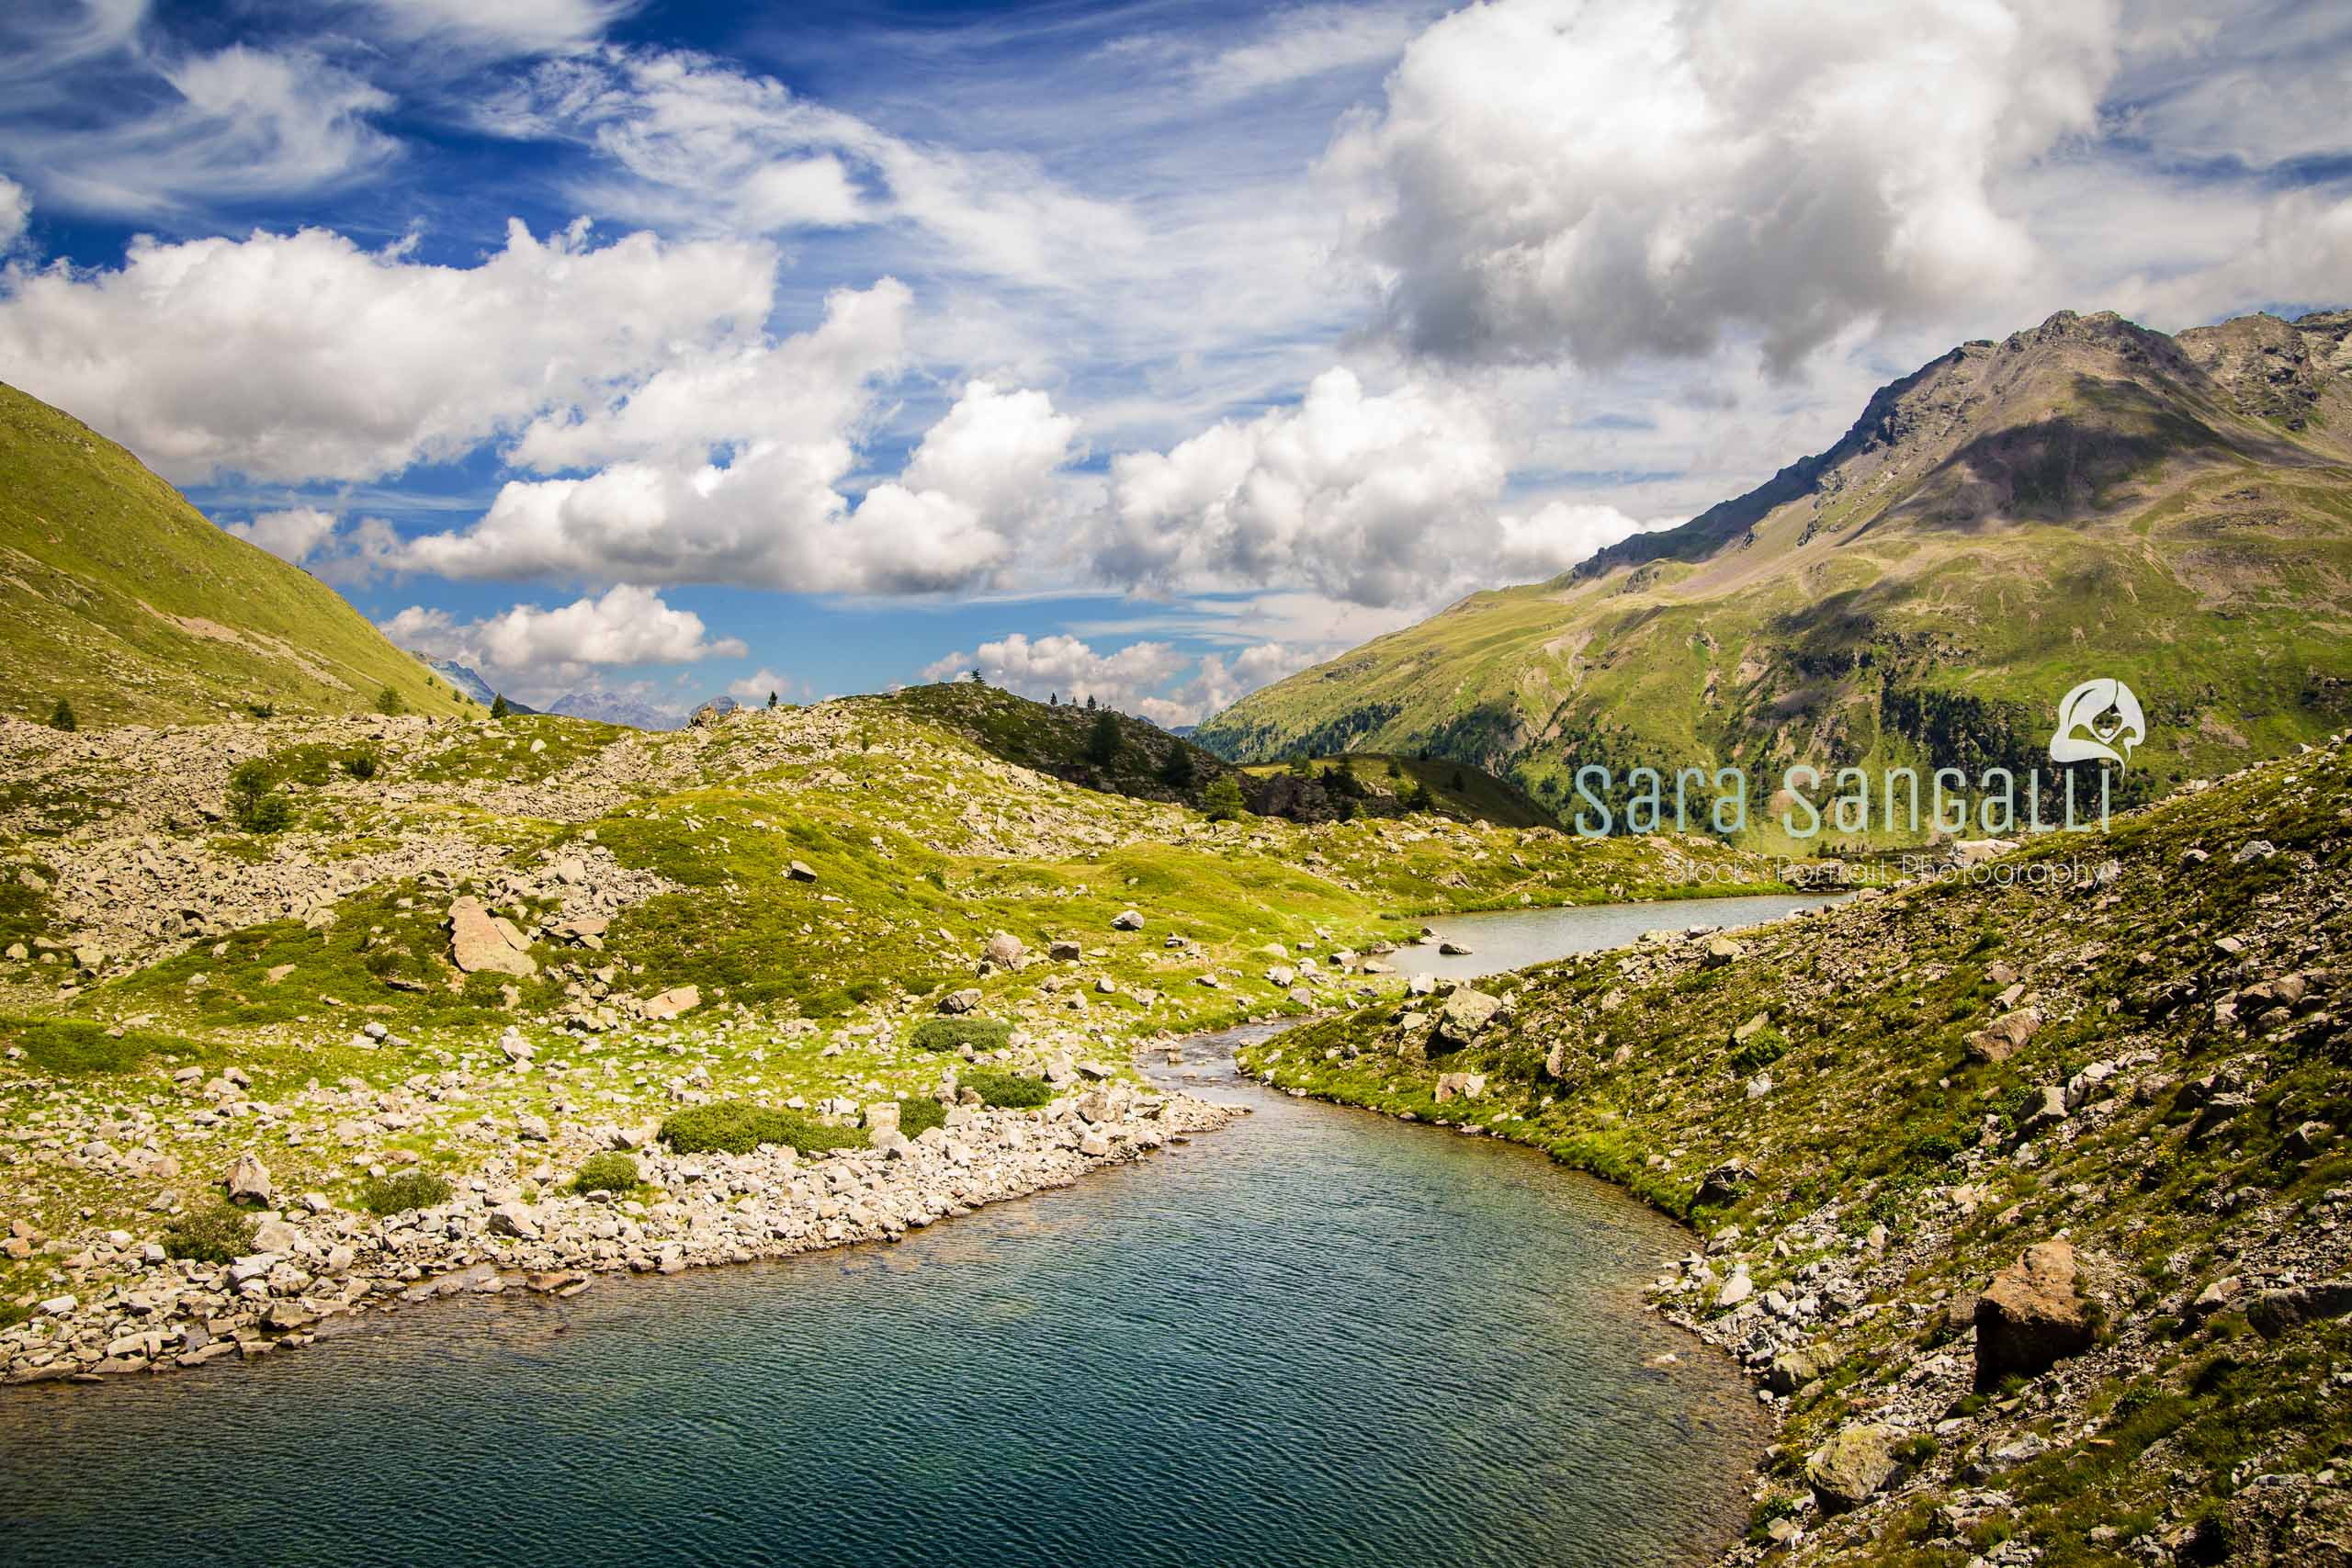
[(771, 514), (1371, 498), (1558, 178), (1064, 665), (290, 534), (756, 688), (1140, 678), (535, 650), (352, 364)]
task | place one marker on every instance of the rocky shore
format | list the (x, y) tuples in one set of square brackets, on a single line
[(512, 1227), (2024, 1191)]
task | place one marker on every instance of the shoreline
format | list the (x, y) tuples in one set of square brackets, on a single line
[(493, 1236)]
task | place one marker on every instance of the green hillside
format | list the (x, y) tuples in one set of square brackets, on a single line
[(2084, 499), (1872, 1111), (1457, 790), (122, 599)]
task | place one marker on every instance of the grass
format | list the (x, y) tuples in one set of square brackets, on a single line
[(1007, 1091), (215, 1234), (75, 1048), (917, 1117), (737, 1127), (403, 1191), (952, 1033), (612, 1172), (124, 602)]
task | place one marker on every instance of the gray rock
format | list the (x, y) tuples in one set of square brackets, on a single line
[(248, 1181), (1847, 1470)]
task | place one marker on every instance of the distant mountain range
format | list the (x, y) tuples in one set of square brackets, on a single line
[(465, 678), (2084, 499), (608, 707)]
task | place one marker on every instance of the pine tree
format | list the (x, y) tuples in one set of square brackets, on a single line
[(772, 700), (498, 708), (62, 716), (1176, 770), (1223, 802), (1103, 742)]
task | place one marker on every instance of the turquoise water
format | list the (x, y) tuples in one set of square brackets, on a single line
[(1513, 939), (1317, 1337)]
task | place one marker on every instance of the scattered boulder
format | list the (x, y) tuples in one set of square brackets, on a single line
[(2004, 1037), (800, 870), (482, 942), (674, 1002), (1469, 1086), (2029, 1317), (2273, 1312), (1722, 1185), (1127, 921), (1464, 1014), (1721, 950), (1064, 951), (961, 1001), (1847, 1470), (1005, 950), (248, 1181)]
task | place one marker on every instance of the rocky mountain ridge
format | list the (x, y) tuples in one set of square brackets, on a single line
[(2084, 499)]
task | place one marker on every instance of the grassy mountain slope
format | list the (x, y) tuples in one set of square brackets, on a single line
[(1456, 789), (2165, 1091), (2087, 498), (121, 598)]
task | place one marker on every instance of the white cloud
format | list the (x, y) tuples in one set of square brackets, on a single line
[(1140, 678), (531, 650), (1058, 664), (15, 213), (352, 364), (506, 28), (1553, 178), (770, 515), (693, 141), (289, 535), (1374, 499), (755, 688), (1559, 535), (236, 123)]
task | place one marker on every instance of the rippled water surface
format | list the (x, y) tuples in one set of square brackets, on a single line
[(1512, 939), (1317, 1337)]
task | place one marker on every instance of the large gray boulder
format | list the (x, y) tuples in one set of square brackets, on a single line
[(1465, 1014), (1847, 1470)]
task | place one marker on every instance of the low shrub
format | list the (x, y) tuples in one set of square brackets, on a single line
[(362, 764), (606, 1173), (254, 804), (917, 1117), (1008, 1091), (952, 1034), (399, 1194), (737, 1127), (217, 1235)]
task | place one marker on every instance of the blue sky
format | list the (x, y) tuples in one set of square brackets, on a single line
[(1149, 350)]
